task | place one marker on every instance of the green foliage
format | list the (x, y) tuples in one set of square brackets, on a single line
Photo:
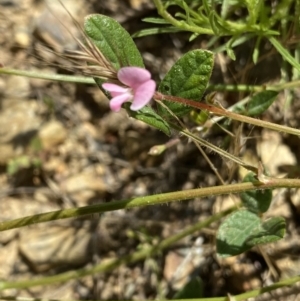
[(219, 18), (257, 201), (192, 289), (258, 104), (113, 40), (148, 116), (244, 229), (119, 49), (187, 78), (22, 162)]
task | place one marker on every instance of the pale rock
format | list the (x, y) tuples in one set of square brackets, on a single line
[(19, 121), (22, 37), (59, 34), (47, 247), (17, 87), (180, 265), (8, 258), (274, 153), (84, 186), (52, 133)]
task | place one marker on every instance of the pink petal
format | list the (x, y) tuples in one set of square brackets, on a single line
[(114, 88), (133, 76), (143, 94), (117, 101)]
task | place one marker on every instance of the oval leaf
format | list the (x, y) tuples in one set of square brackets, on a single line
[(271, 230), (257, 201), (113, 41), (234, 231), (243, 230), (118, 47), (187, 78)]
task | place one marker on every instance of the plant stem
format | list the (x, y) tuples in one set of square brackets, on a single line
[(180, 24), (90, 80), (149, 200), (116, 262), (216, 149), (49, 76), (222, 112)]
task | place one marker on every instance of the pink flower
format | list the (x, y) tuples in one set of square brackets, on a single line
[(140, 88)]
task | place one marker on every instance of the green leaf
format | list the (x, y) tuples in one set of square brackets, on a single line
[(253, 7), (257, 201), (187, 78), (271, 230), (113, 41), (229, 50), (237, 41), (234, 231), (148, 116), (226, 6), (256, 51), (155, 30), (192, 290), (243, 230), (284, 53), (260, 102), (155, 20), (118, 47)]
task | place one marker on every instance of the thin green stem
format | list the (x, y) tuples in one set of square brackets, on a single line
[(147, 201), (140, 255), (251, 294), (48, 76), (180, 24), (90, 80), (240, 297), (253, 88), (116, 262)]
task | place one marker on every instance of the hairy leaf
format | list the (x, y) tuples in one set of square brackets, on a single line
[(187, 78)]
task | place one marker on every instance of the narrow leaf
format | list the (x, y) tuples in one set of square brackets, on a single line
[(260, 102), (256, 50), (155, 30), (284, 53), (155, 20), (187, 78)]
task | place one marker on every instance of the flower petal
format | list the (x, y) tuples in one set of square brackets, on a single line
[(114, 88), (117, 101), (143, 94), (133, 76)]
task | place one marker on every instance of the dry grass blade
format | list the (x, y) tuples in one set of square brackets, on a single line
[(89, 60)]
